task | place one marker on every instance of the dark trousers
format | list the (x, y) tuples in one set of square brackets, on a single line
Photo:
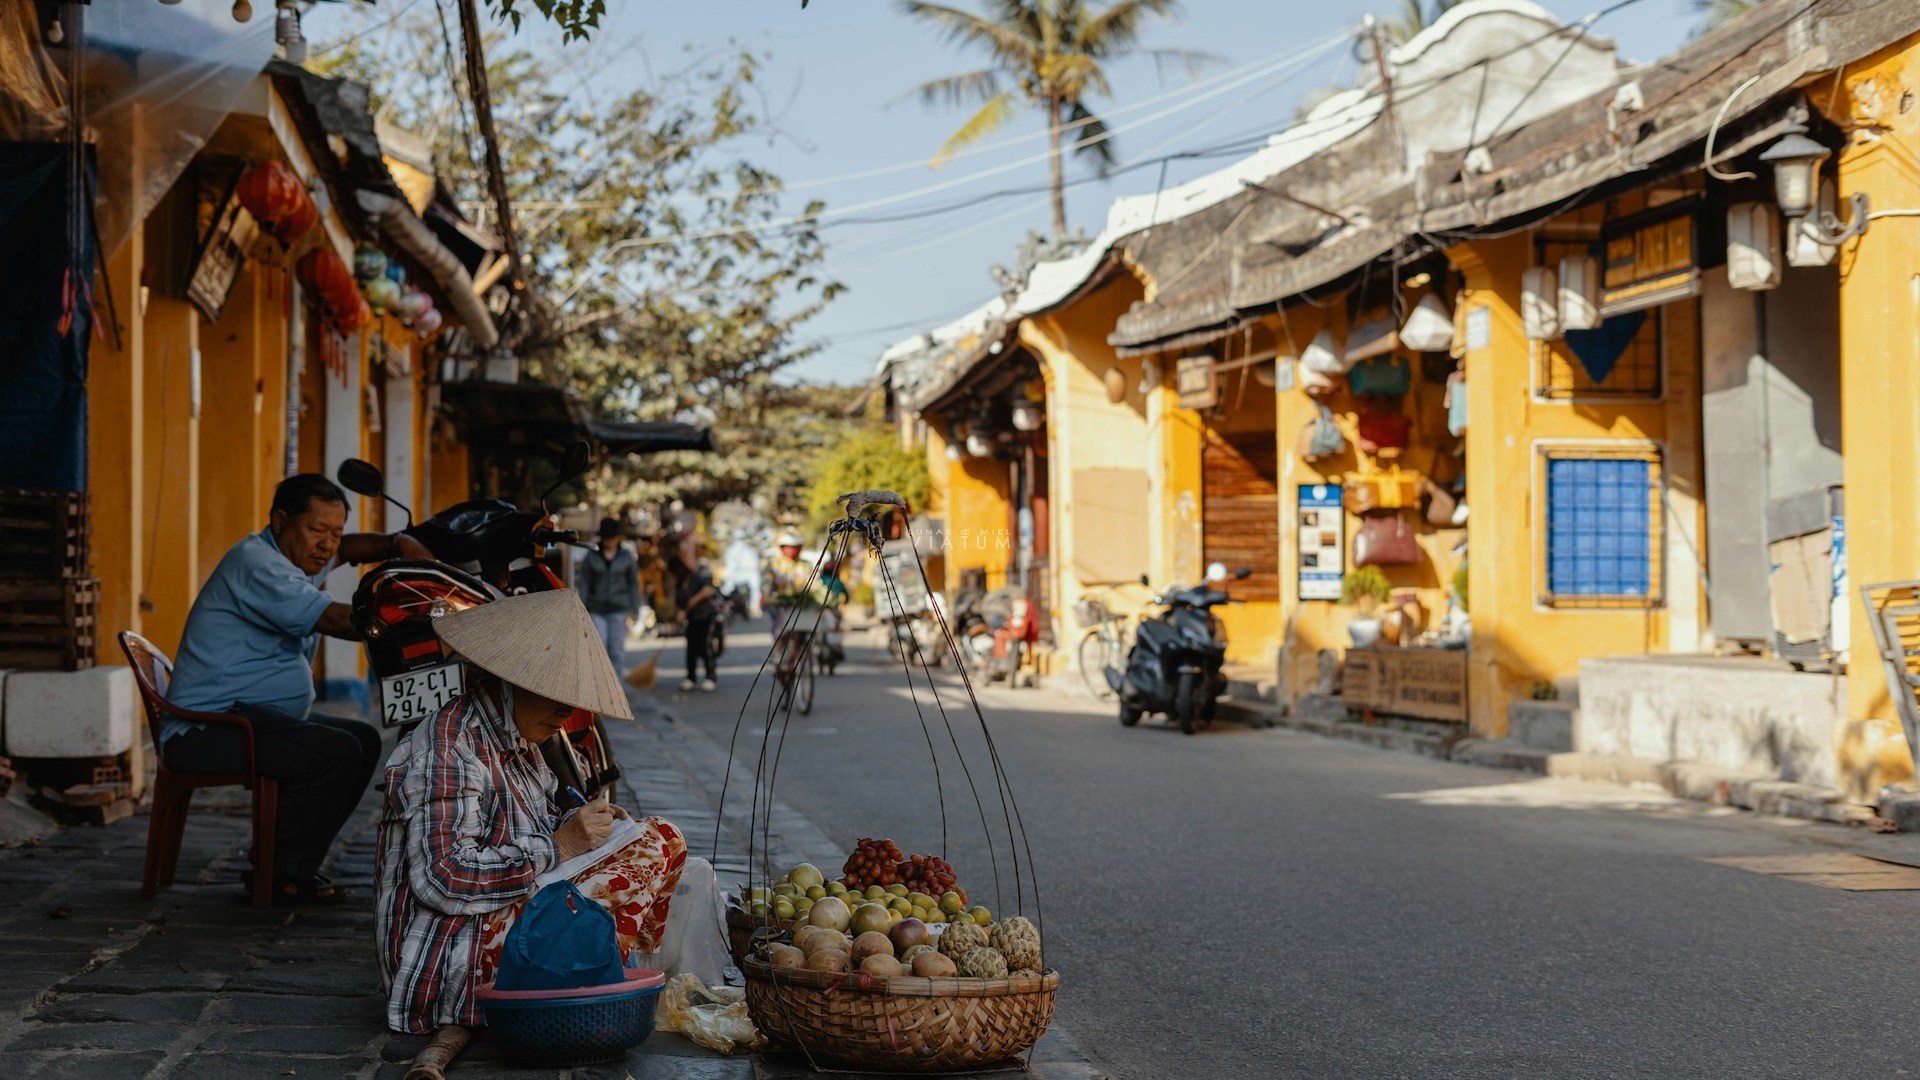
[(322, 763), (700, 644)]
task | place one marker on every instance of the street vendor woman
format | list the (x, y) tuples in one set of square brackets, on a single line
[(474, 816)]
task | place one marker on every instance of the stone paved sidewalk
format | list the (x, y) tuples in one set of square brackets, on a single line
[(96, 982)]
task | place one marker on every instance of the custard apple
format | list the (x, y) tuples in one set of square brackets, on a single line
[(1023, 973), (982, 963), (1018, 941), (958, 937)]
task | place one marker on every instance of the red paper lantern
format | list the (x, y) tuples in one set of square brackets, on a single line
[(275, 197), (325, 274)]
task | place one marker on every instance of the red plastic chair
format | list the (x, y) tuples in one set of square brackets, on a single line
[(173, 791)]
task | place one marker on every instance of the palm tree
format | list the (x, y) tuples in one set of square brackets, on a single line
[(1717, 12), (1415, 18), (1051, 53)]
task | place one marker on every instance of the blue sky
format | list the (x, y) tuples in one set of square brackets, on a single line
[(836, 66)]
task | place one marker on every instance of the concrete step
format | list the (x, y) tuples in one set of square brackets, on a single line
[(1542, 725), (1502, 754)]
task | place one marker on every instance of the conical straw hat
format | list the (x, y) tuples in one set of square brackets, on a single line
[(542, 641)]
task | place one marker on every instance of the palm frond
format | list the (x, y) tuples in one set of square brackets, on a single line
[(1119, 25), (1092, 141), (1191, 62), (955, 90), (966, 28), (991, 117)]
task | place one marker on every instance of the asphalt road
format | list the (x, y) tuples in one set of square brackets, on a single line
[(1264, 903)]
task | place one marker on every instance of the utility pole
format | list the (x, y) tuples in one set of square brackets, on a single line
[(490, 139), (1386, 87)]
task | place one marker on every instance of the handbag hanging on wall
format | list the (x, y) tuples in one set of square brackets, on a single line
[(1457, 403), (1385, 540), (1321, 438), (1441, 506), (1385, 433), (1387, 376)]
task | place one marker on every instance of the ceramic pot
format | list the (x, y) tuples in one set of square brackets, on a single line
[(1364, 631)]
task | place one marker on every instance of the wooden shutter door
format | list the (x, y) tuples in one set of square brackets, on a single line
[(1240, 509)]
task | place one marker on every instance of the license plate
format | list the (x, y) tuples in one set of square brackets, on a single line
[(418, 695)]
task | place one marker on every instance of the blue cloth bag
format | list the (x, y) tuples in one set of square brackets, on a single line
[(563, 941)]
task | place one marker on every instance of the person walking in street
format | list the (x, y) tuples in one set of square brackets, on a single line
[(697, 600), (610, 588), (248, 648)]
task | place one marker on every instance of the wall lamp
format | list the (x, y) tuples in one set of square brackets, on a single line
[(1796, 162)]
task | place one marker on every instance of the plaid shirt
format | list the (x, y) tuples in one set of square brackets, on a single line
[(468, 827)]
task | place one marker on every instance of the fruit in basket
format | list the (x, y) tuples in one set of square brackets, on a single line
[(825, 940), (982, 963), (932, 965), (1018, 940), (1023, 973), (867, 917), (806, 876), (902, 905), (831, 913), (871, 943), (981, 916), (873, 862), (783, 909), (875, 892), (836, 888), (952, 903), (882, 964), (832, 960), (958, 938), (786, 956), (816, 892), (909, 932), (908, 955)]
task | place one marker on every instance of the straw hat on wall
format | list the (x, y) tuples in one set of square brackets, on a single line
[(544, 642)]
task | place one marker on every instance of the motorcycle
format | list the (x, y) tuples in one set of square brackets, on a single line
[(995, 631), (484, 550), (1175, 664)]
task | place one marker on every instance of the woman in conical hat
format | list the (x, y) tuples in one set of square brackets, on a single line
[(474, 817)]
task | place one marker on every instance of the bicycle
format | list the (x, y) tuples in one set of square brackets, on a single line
[(793, 672), (1105, 643)]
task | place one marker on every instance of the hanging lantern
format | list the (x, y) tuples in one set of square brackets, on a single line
[(954, 452), (396, 273), (1429, 326), (1116, 384), (980, 444), (301, 221), (277, 200), (1027, 416), (381, 293), (427, 323), (1034, 390), (410, 304), (369, 263), (356, 316)]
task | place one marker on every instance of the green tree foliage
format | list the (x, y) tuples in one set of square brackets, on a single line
[(866, 458), (662, 277), (1716, 12), (1415, 17), (1049, 54), (575, 18)]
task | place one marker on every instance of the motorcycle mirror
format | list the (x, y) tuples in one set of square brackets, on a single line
[(577, 460), (365, 478), (361, 478), (1216, 571), (1243, 573)]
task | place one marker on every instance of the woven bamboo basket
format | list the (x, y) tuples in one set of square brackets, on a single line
[(740, 928), (902, 1024)]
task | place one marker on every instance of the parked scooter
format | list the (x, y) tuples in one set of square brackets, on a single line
[(1174, 666), (484, 550)]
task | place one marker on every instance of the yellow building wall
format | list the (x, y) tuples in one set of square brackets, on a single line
[(171, 577), (1880, 386), (237, 352), (979, 536), (1517, 642)]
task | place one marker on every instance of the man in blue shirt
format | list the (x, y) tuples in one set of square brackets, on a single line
[(248, 648)]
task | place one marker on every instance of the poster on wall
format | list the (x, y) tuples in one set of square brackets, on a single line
[(1323, 541)]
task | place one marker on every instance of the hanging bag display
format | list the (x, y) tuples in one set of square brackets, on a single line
[(1321, 438), (1441, 505), (1457, 403), (1363, 493), (1385, 540), (1384, 433), (1386, 376), (1317, 384), (1325, 354)]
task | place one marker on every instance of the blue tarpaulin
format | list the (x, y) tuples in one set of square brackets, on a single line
[(43, 368)]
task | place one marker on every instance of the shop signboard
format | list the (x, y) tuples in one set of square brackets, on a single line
[(220, 256), (1199, 387), (907, 594), (1651, 258), (1323, 541), (1430, 684)]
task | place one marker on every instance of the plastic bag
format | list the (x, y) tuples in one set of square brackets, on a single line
[(562, 941), (715, 1017), (694, 941)]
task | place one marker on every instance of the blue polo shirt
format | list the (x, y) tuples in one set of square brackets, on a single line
[(249, 637)]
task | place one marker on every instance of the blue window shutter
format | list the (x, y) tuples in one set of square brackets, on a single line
[(1599, 532)]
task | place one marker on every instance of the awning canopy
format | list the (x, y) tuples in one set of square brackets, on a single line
[(536, 416)]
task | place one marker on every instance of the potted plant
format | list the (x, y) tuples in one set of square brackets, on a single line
[(1364, 589)]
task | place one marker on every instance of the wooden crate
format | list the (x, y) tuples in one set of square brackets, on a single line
[(44, 535), (48, 624)]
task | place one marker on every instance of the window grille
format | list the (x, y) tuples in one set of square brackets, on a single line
[(1600, 527), (1636, 373)]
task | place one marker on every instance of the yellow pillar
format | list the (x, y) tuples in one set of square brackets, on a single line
[(171, 578), (116, 447), (234, 353), (1879, 387)]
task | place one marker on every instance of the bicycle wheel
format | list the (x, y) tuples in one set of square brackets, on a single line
[(803, 685), (1094, 655)]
